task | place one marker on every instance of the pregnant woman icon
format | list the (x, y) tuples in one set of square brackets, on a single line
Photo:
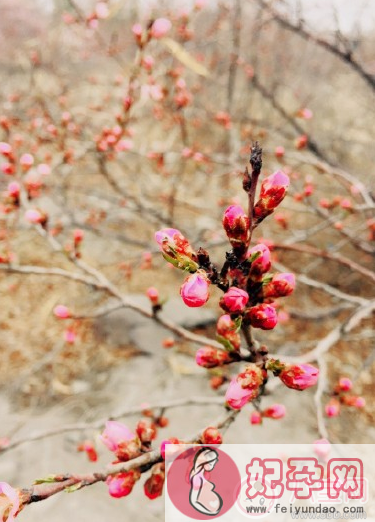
[(202, 496)]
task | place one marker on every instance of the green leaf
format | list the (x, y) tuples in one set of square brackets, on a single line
[(238, 323), (49, 479), (227, 344), (74, 487)]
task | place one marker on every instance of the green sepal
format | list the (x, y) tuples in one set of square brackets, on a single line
[(74, 487), (47, 480), (226, 343)]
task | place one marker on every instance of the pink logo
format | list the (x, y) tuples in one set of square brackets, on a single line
[(203, 482)]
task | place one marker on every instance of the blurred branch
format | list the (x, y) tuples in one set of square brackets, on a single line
[(345, 261), (126, 412), (345, 55), (362, 312), (311, 144)]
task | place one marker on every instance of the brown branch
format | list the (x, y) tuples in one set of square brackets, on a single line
[(345, 261), (337, 333), (43, 491), (96, 425), (344, 55)]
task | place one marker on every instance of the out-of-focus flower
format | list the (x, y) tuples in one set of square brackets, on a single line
[(160, 28), (276, 411)]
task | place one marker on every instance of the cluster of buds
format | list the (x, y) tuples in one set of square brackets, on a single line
[(112, 140), (341, 397), (276, 411), (249, 295)]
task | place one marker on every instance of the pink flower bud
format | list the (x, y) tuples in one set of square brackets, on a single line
[(256, 418), (209, 357), (119, 439), (160, 27), (8, 168), (277, 411), (170, 441), (261, 262), (279, 151), (153, 295), (236, 396), (299, 376), (226, 330), (281, 285), (212, 436), (234, 300), (236, 225), (301, 141), (90, 450), (137, 30), (225, 324), (101, 10), (345, 384), (153, 487), (244, 387), (115, 434), (5, 148), (353, 400), (26, 161), (62, 312), (44, 169), (121, 484), (262, 316), (146, 430), (332, 409), (14, 189), (359, 402), (322, 448), (34, 216), (70, 336), (305, 113), (272, 192), (194, 291), (10, 502), (78, 236), (176, 249), (124, 145)]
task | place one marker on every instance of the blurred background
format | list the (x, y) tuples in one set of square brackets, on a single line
[(110, 133)]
